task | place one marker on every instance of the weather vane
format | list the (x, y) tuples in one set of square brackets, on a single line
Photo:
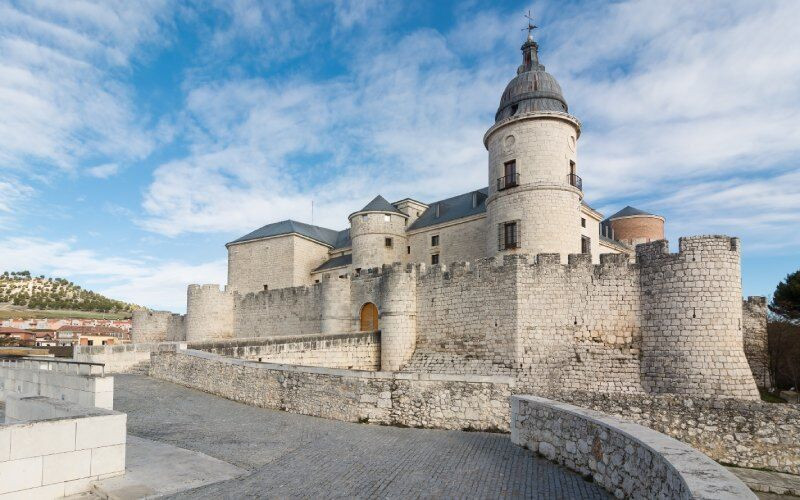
[(530, 26)]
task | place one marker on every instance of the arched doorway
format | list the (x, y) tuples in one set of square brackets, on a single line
[(369, 317)]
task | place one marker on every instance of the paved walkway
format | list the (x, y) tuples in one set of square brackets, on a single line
[(295, 456)]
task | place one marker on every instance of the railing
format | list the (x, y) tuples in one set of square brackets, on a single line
[(575, 180), (508, 181), (61, 365)]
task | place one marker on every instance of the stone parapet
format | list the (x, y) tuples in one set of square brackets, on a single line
[(627, 459)]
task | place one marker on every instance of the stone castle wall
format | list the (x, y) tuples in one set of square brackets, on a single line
[(157, 326), (369, 232), (754, 327), (209, 313), (668, 323), (351, 351)]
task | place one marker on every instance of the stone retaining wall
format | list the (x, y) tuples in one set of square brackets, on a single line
[(354, 351), (751, 434), (626, 459), (391, 398), (117, 358), (58, 380)]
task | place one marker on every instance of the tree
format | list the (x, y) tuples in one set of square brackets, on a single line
[(786, 300)]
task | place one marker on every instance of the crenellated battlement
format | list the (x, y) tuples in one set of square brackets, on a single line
[(689, 248)]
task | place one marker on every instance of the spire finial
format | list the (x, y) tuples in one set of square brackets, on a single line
[(530, 26)]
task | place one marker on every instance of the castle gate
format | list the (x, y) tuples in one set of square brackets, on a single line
[(369, 317)]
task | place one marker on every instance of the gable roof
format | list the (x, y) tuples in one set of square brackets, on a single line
[(379, 204), (628, 211), (453, 208), (319, 234)]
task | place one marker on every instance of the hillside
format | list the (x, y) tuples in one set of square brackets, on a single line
[(22, 290)]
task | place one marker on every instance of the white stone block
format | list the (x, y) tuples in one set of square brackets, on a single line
[(95, 432), (78, 485), (42, 438), (66, 466), (20, 474), (108, 459), (5, 444), (42, 492)]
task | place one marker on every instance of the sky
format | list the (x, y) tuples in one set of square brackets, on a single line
[(137, 138)]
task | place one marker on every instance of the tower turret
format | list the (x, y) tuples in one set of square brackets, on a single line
[(378, 234), (534, 190)]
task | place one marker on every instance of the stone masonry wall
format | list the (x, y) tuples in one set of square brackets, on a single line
[(750, 434), (692, 319), (458, 242), (157, 326), (285, 311), (626, 459), (209, 313), (433, 401), (754, 328), (352, 351)]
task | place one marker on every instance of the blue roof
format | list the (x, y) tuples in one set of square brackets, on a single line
[(342, 260), (379, 204), (453, 208), (322, 235)]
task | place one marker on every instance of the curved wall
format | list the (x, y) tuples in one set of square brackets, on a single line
[(149, 326), (369, 231), (692, 319), (547, 206), (209, 313), (627, 459), (638, 229), (398, 316)]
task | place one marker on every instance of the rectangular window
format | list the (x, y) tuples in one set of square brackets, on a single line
[(583, 222), (509, 235), (510, 177), (408, 250), (387, 218), (435, 259), (388, 242), (586, 245), (266, 287), (435, 240)]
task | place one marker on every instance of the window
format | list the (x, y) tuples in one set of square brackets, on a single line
[(510, 177), (509, 235), (435, 240), (514, 108), (266, 287), (387, 218), (408, 250), (364, 217), (572, 167), (583, 222), (435, 259), (388, 242), (586, 245)]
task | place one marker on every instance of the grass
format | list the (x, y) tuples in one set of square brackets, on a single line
[(770, 397), (59, 314)]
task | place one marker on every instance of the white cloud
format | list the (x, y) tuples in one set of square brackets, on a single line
[(103, 171), (144, 281)]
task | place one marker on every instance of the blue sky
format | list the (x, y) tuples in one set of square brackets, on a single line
[(137, 138)]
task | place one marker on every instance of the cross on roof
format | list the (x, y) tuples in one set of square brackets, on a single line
[(530, 26)]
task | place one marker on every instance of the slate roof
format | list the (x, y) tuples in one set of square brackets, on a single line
[(379, 204), (628, 212), (450, 209), (342, 260), (323, 235)]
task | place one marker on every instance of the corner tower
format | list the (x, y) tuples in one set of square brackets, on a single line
[(378, 233), (534, 190)]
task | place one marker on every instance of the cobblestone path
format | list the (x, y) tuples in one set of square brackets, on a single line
[(296, 456)]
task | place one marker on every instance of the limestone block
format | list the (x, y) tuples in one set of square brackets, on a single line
[(68, 466)]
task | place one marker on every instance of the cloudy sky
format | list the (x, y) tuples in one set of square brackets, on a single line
[(136, 138)]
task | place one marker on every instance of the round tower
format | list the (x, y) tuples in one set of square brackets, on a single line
[(534, 189), (633, 226), (378, 234)]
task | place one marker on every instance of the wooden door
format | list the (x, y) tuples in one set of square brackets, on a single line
[(369, 317)]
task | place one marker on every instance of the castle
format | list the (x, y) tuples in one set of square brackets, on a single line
[(541, 286)]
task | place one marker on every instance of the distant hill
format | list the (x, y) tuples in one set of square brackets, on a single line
[(19, 288)]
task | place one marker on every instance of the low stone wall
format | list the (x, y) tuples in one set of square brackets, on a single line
[(626, 459), (57, 448), (355, 351), (751, 434), (391, 398), (117, 358), (58, 380)]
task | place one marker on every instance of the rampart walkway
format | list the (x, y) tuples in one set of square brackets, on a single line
[(289, 455)]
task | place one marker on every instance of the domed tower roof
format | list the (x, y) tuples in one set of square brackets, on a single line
[(533, 89)]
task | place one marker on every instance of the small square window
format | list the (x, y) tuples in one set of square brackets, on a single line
[(435, 240), (435, 259), (388, 242), (387, 218), (364, 217), (583, 222)]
